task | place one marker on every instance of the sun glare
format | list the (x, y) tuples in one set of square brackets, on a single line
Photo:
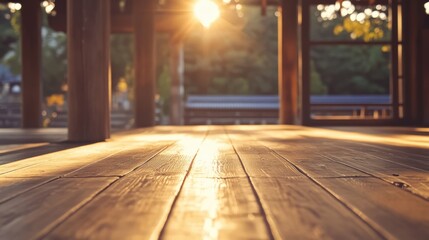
[(206, 12)]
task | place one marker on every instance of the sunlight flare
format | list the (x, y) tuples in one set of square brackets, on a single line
[(206, 11)]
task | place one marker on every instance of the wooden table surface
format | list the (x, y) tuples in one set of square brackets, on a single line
[(217, 182)]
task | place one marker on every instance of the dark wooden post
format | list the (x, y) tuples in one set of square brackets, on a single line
[(288, 61), (88, 29), (425, 75), (176, 73), (144, 61), (31, 45)]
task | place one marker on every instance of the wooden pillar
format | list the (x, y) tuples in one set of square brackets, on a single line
[(288, 61), (144, 61), (177, 79), (411, 35), (425, 75), (88, 29), (31, 45)]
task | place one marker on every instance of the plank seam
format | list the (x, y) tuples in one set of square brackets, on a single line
[(255, 193), (71, 212), (377, 229), (176, 198), (406, 189), (29, 189)]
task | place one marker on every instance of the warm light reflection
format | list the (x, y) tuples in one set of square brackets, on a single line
[(392, 139), (206, 12)]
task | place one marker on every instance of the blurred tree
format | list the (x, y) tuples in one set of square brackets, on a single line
[(235, 56), (349, 69), (9, 34), (122, 46)]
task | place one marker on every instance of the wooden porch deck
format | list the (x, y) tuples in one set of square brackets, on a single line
[(227, 182)]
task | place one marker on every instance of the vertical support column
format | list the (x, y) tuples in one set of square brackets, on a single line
[(424, 63), (288, 61), (144, 61), (177, 71), (88, 29), (31, 45), (425, 75)]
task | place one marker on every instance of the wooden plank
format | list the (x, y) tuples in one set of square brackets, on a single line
[(217, 199), (58, 163), (292, 202), (174, 160), (133, 208), (11, 187), (259, 161), (88, 70), (216, 208), (413, 179), (410, 179), (402, 157), (122, 163), (138, 203), (217, 159), (34, 213), (29, 151), (398, 214), (308, 158), (299, 209), (16, 147), (31, 47)]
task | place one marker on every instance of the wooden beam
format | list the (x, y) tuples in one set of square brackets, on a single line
[(31, 45), (288, 61), (88, 69), (144, 63), (177, 81)]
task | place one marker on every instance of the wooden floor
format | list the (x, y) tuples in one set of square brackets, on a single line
[(217, 182)]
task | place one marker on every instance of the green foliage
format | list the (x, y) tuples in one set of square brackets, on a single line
[(348, 69), (121, 51), (8, 35), (54, 61), (316, 85)]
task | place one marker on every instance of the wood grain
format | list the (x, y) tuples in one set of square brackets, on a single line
[(62, 162), (217, 199), (32, 214), (10, 187), (88, 68), (298, 209), (137, 205), (216, 208), (399, 214), (123, 162), (133, 208), (294, 205)]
